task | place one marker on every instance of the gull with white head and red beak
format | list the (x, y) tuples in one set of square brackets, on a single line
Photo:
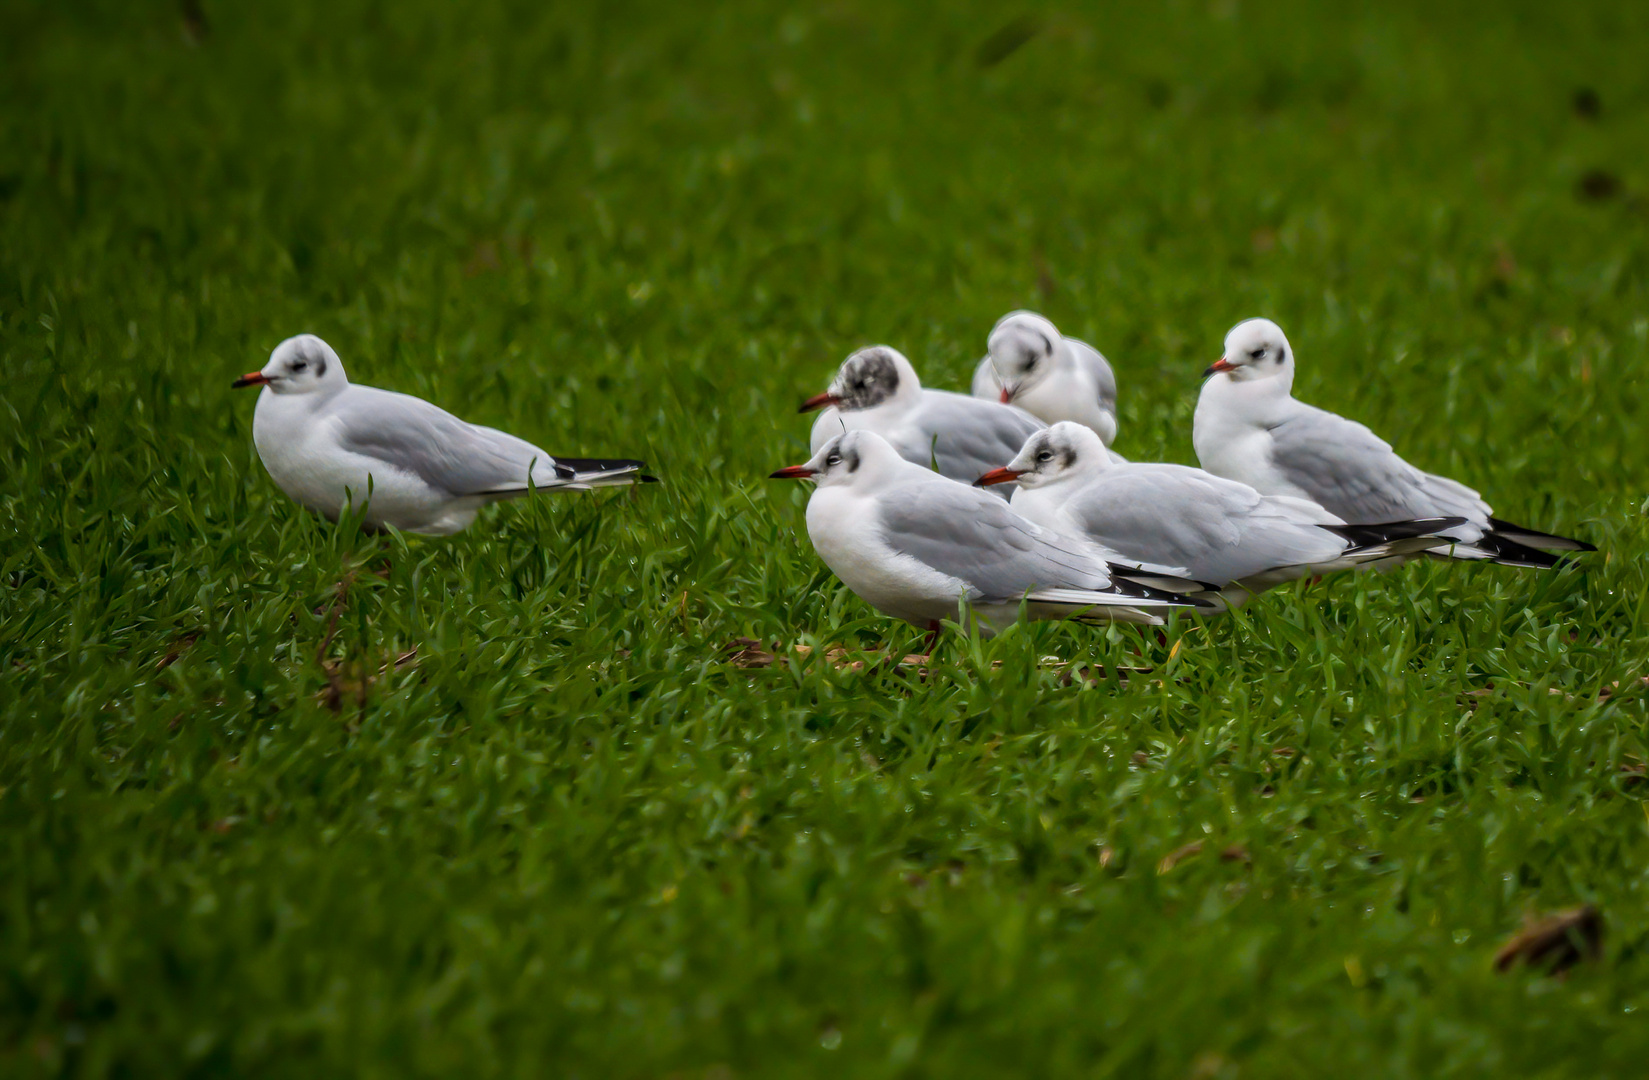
[(918, 547), (1248, 427), (330, 444), (1029, 363), (876, 389), (1178, 520)]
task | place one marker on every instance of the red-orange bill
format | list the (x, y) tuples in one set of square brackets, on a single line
[(791, 472), (998, 476), (1222, 364), (251, 378), (819, 401)]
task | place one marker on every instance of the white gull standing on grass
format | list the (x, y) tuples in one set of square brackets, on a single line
[(1249, 427), (915, 546), (1178, 520), (877, 390), (326, 442), (1029, 363)]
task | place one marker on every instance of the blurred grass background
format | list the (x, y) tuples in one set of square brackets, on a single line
[(277, 799)]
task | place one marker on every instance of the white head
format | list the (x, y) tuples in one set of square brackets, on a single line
[(1255, 349), (299, 365), (849, 458), (1065, 452), (1023, 348), (870, 377)]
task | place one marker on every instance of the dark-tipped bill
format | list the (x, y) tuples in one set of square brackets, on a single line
[(998, 476), (1222, 364), (819, 401), (791, 472), (251, 378)]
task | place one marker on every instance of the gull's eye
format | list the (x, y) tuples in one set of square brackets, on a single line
[(300, 365), (833, 459), (1259, 353), (1046, 455)]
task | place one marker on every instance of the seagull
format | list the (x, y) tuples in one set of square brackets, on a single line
[(1248, 427), (913, 545), (329, 443), (877, 390), (1030, 364), (1173, 519)]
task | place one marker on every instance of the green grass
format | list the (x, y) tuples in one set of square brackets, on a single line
[(565, 838)]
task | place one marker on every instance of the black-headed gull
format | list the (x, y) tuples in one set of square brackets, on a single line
[(1248, 427), (914, 545), (1029, 363), (326, 441), (1177, 520), (877, 390)]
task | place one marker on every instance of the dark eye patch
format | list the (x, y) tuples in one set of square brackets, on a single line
[(1257, 353)]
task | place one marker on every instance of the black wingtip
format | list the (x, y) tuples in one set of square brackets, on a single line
[(1505, 551), (645, 479), (598, 465), (1386, 532), (1522, 534), (1127, 586)]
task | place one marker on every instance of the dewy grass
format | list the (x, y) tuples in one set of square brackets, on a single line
[(279, 798)]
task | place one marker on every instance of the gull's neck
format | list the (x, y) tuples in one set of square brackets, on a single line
[(1252, 401)]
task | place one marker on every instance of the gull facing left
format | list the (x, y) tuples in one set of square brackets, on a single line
[(1029, 363), (329, 443), (877, 390), (914, 545), (1249, 427), (1178, 520)]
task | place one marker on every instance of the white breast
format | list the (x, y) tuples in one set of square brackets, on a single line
[(1068, 394), (1232, 441), (845, 532), (299, 448)]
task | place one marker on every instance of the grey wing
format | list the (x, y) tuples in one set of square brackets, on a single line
[(1089, 358), (1217, 530), (986, 386), (968, 437), (445, 452), (1353, 473), (968, 534)]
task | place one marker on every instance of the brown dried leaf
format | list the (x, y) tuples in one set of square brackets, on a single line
[(748, 653), (1179, 855), (179, 647), (1555, 942)]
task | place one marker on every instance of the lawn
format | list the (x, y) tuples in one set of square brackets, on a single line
[(278, 798)]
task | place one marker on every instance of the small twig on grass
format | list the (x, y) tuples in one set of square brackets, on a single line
[(335, 687)]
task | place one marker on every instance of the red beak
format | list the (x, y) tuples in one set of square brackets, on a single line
[(998, 476), (791, 472), (819, 401), (251, 378), (1222, 364), (1007, 395)]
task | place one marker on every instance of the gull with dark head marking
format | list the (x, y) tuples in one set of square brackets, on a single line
[(877, 390), (913, 545), (327, 441), (1248, 427), (1178, 520), (1031, 364)]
